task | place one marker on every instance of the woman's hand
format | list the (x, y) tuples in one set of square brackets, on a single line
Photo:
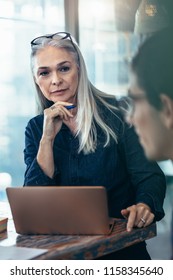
[(138, 215), (53, 119)]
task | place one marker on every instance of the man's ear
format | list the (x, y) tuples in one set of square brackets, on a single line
[(167, 110)]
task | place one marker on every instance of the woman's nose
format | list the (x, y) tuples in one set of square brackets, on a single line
[(56, 79)]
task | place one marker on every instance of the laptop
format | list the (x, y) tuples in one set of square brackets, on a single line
[(60, 210)]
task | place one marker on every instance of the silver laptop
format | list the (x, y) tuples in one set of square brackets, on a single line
[(60, 210)]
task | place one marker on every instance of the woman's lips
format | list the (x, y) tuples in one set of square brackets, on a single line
[(58, 91)]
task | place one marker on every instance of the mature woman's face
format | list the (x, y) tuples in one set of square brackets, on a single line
[(149, 124), (56, 74)]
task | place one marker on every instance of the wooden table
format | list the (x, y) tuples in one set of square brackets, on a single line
[(74, 247)]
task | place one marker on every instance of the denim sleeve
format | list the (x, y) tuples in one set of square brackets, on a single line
[(147, 178), (34, 175)]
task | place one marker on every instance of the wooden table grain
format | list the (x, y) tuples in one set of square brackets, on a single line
[(66, 247)]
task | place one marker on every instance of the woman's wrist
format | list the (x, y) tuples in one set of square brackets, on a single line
[(46, 141)]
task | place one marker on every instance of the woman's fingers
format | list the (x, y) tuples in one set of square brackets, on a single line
[(138, 215), (61, 111)]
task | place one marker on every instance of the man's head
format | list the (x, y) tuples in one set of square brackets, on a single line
[(151, 89)]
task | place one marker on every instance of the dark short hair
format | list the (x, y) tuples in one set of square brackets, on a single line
[(153, 66)]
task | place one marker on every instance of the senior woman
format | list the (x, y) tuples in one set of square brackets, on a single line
[(79, 138)]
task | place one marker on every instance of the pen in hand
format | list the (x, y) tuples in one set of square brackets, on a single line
[(68, 107)]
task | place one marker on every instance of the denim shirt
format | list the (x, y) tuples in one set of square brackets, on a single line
[(121, 168)]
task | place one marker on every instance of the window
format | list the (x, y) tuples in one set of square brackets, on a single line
[(105, 49), (106, 52), (20, 22)]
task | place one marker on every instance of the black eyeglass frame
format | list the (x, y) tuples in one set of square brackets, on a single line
[(50, 36), (131, 100)]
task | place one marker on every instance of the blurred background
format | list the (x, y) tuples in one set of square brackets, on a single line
[(109, 33)]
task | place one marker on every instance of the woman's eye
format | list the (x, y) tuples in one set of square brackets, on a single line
[(64, 69), (44, 73)]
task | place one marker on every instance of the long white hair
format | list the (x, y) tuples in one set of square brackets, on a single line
[(88, 97)]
